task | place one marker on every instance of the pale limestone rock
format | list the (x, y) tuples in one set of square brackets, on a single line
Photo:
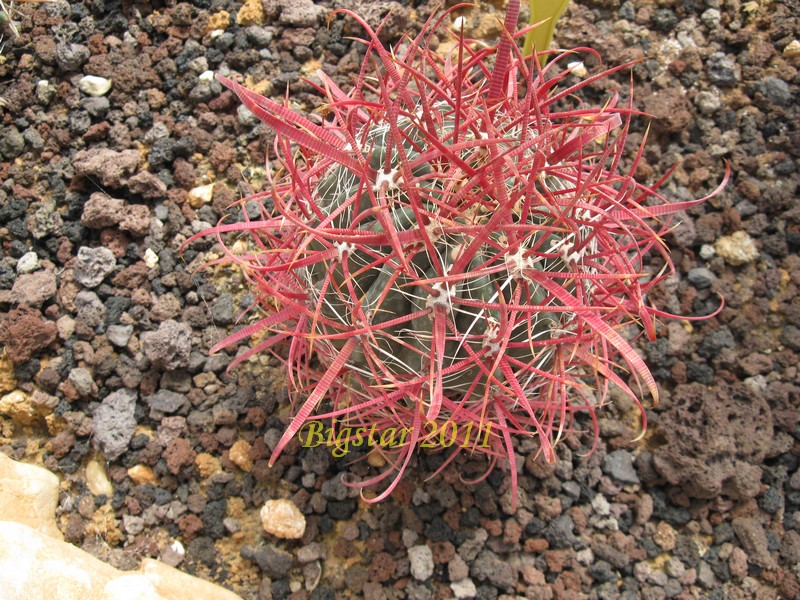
[(130, 587), (19, 407), (97, 479), (792, 49), (28, 495), (141, 474), (206, 465), (93, 85), (172, 583), (27, 263), (251, 13), (8, 381), (200, 195), (737, 248), (240, 455), (150, 258), (283, 519), (465, 588), (34, 565)]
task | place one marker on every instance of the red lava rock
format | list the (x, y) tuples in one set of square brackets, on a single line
[(579, 519), (512, 532), (737, 563), (61, 444), (45, 48), (493, 526), (221, 156), (443, 552), (68, 290), (48, 379), (670, 108), (196, 503), (756, 363), (166, 307), (190, 526), (256, 418), (155, 98), (296, 37), (69, 392), (147, 185), (131, 277), (753, 538), (375, 542), (141, 296), (184, 173), (547, 507), (453, 517), (64, 252), (679, 373), (24, 333), (571, 582), (109, 167), (536, 465), (179, 454), (716, 439), (381, 567), (532, 575), (222, 198), (222, 102), (114, 240), (556, 560), (75, 529), (345, 549), (708, 227), (97, 132), (536, 545), (101, 210), (33, 289), (789, 585)]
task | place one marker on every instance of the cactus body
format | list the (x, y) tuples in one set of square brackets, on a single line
[(456, 247), (405, 349)]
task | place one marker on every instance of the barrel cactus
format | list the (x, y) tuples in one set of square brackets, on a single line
[(453, 251)]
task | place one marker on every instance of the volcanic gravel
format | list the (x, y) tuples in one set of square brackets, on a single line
[(107, 326)]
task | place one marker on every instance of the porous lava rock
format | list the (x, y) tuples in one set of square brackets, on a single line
[(716, 438), (24, 332)]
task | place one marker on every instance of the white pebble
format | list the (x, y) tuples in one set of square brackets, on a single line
[(283, 519), (464, 588), (577, 68), (585, 556), (94, 86), (421, 559), (27, 263), (150, 258), (178, 548), (97, 480), (792, 49), (758, 385), (201, 195), (737, 248), (707, 252), (45, 91), (206, 76), (601, 505)]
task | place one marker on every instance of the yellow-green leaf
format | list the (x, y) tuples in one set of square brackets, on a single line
[(543, 10)]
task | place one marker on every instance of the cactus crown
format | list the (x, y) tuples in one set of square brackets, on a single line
[(456, 243)]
